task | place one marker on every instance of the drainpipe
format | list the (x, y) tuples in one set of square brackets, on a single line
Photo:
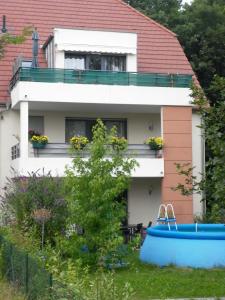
[(203, 165)]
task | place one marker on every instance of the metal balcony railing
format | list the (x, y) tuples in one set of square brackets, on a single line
[(100, 77), (63, 150)]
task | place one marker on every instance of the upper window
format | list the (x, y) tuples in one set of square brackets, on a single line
[(95, 62)]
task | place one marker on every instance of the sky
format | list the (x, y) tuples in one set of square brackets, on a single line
[(187, 1)]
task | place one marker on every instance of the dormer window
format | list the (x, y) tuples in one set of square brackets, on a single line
[(102, 62), (82, 49)]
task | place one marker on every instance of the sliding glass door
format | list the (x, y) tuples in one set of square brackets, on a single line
[(84, 127)]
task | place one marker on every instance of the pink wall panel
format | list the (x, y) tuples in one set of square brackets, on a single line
[(178, 149)]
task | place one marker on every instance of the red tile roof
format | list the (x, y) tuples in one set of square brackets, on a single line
[(158, 48)]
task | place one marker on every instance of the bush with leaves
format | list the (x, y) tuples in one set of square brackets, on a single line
[(77, 282), (8, 39), (71, 280), (93, 185), (25, 196)]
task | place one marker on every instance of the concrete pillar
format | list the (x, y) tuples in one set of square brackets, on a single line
[(24, 127)]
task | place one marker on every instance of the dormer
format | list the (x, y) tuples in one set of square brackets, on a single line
[(92, 50)]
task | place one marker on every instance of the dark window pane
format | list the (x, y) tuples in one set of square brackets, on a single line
[(36, 123), (107, 64), (74, 128), (120, 126), (114, 63), (89, 128), (119, 63), (94, 62)]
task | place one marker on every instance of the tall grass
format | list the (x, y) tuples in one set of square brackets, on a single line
[(8, 292)]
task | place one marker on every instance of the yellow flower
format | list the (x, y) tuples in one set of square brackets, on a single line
[(155, 143), (119, 143), (79, 142), (41, 139)]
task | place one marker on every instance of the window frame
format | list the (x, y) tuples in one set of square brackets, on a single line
[(124, 120), (102, 56)]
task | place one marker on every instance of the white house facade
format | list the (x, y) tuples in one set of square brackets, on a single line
[(98, 70)]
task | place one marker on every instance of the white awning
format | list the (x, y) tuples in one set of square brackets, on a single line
[(95, 41)]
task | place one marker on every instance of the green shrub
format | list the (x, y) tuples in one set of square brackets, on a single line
[(77, 282), (25, 196), (93, 185)]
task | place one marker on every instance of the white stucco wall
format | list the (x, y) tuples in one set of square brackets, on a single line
[(60, 92), (147, 167), (141, 126), (197, 160), (144, 198), (9, 128)]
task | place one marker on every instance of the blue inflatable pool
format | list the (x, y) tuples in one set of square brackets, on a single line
[(196, 246)]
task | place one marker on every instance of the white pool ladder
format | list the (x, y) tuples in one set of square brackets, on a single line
[(163, 216)]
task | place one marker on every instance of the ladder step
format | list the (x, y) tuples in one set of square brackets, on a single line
[(163, 211)]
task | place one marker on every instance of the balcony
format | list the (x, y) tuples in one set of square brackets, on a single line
[(100, 77), (72, 87), (56, 156)]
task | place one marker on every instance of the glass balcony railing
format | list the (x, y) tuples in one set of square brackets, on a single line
[(100, 77)]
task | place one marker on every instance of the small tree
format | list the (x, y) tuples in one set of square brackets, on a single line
[(7, 39), (95, 186)]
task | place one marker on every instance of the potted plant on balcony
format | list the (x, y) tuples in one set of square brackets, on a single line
[(39, 141), (155, 143), (118, 143), (79, 142)]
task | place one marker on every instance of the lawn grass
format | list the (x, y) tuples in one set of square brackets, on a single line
[(7, 292), (149, 281)]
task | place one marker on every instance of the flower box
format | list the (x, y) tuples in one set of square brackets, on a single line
[(78, 142), (155, 143), (39, 141), (118, 143), (37, 145)]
